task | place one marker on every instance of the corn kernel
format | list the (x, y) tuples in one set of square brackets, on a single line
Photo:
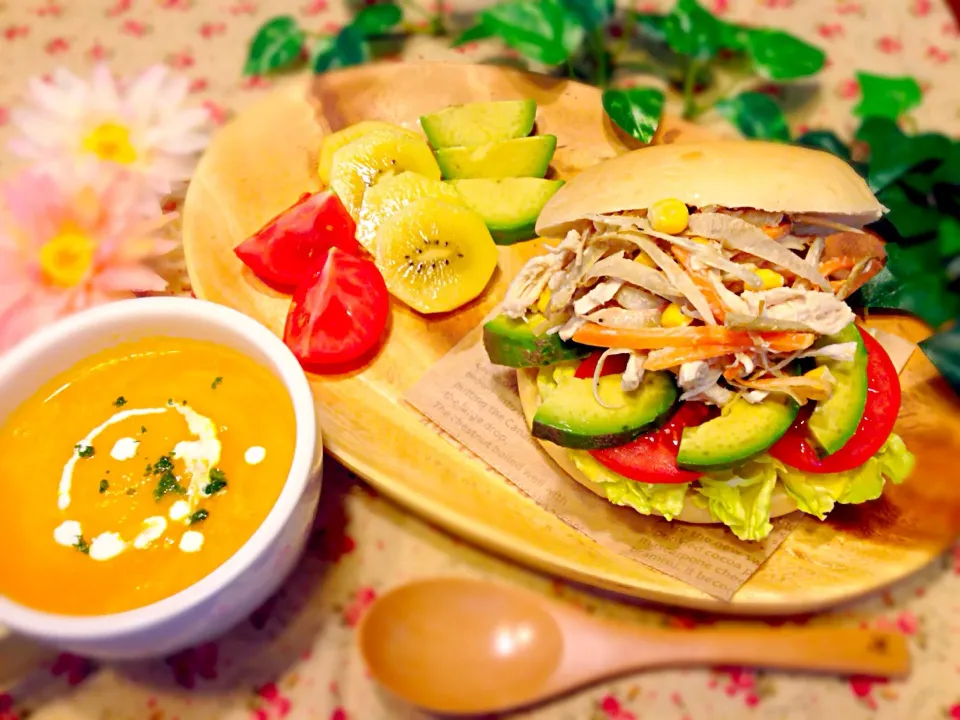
[(645, 259), (769, 278), (543, 300), (701, 240), (669, 216), (672, 317)]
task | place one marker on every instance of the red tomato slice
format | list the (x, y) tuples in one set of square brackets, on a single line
[(879, 417), (613, 365), (652, 457), (338, 313), (285, 250)]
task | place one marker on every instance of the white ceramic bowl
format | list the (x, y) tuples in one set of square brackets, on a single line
[(257, 569)]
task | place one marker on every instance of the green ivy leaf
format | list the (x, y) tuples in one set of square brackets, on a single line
[(377, 19), (943, 350), (733, 37), (276, 45), (480, 31), (887, 97), (948, 237), (545, 30), (351, 46), (824, 140), (348, 47), (756, 116), (691, 30), (636, 111), (909, 218), (949, 171), (593, 14), (324, 55), (778, 55), (913, 281), (919, 182), (877, 130), (893, 155), (651, 26)]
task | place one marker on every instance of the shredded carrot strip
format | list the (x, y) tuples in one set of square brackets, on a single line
[(689, 336), (775, 232), (828, 267), (702, 282), (672, 357)]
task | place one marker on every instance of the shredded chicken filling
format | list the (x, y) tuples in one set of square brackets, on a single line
[(727, 304)]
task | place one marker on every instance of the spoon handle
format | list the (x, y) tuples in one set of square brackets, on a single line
[(824, 649)]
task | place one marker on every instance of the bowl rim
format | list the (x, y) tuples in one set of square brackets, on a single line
[(77, 628)]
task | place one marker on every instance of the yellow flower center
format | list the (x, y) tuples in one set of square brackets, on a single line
[(110, 141), (66, 259)]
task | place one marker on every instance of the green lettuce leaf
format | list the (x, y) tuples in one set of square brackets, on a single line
[(817, 494), (645, 498), (740, 498)]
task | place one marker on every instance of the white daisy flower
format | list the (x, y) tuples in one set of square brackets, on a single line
[(141, 125)]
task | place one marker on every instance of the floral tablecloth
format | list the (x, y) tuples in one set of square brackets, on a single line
[(295, 656)]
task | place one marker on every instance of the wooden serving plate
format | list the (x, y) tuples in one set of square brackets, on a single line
[(261, 162)]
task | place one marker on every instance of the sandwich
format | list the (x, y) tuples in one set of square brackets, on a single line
[(684, 346)]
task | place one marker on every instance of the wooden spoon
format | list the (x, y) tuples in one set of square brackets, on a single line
[(460, 646)]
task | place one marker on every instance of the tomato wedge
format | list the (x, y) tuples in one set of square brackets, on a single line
[(339, 313), (285, 250), (879, 417), (652, 457)]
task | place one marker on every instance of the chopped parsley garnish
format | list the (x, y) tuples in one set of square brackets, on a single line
[(218, 481), (131, 491), (82, 545), (143, 429), (168, 481), (198, 516), (216, 381), (169, 401), (103, 486), (84, 451), (120, 401), (168, 484), (164, 464)]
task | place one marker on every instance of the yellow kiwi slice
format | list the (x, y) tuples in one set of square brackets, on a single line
[(333, 142), (435, 256), (363, 163), (386, 197)]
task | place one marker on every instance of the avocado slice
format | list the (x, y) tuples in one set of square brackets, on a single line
[(509, 206), (570, 416), (513, 343), (522, 157), (834, 420), (479, 123), (742, 431)]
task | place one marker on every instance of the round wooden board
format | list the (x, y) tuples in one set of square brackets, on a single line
[(261, 162)]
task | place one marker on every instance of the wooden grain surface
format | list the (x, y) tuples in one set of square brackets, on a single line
[(262, 161)]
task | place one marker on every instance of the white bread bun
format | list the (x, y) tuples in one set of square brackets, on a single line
[(781, 503), (769, 176)]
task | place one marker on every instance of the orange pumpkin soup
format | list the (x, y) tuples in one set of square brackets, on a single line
[(137, 472)]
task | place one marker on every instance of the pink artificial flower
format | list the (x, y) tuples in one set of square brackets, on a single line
[(139, 124), (67, 244)]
